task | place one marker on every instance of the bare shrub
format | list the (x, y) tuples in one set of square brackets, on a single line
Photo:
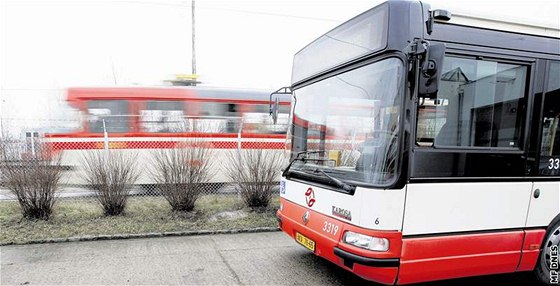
[(110, 174), (181, 174), (33, 178), (255, 173)]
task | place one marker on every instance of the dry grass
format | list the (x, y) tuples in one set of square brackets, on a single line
[(143, 215)]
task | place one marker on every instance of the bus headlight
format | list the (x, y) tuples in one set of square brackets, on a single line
[(366, 241)]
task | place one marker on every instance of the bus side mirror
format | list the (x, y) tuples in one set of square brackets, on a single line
[(430, 73), (275, 105)]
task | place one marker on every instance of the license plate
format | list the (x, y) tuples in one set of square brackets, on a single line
[(303, 240)]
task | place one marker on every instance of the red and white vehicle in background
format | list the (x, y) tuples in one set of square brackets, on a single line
[(140, 119), (423, 150)]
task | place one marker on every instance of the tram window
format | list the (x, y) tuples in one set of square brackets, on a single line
[(550, 142), (164, 116), (258, 119), (227, 118), (480, 103), (213, 109), (114, 113)]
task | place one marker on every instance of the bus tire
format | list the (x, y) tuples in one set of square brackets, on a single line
[(543, 271)]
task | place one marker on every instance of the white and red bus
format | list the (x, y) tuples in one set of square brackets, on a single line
[(423, 150), (140, 119)]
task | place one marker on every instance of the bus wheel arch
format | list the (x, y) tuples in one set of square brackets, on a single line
[(549, 249)]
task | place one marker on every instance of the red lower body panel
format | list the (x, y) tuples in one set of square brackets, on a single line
[(531, 249), (326, 241), (418, 259), (454, 256)]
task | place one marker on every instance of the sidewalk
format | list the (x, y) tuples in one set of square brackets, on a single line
[(251, 259), (234, 259)]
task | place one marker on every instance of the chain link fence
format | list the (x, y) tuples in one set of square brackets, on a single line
[(161, 154)]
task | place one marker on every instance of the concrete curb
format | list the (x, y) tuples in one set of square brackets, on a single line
[(144, 235)]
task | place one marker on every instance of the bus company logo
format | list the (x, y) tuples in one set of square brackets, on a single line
[(305, 217), (341, 213), (310, 197)]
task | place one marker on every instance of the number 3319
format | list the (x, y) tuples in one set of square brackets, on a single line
[(330, 228)]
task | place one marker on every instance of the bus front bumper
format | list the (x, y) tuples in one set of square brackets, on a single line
[(325, 234)]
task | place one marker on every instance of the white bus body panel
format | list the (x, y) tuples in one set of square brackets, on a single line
[(456, 207), (370, 208), (218, 157), (382, 209), (543, 209)]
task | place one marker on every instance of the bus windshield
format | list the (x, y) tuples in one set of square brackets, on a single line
[(347, 125)]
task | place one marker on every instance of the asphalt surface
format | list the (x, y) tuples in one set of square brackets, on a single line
[(233, 259)]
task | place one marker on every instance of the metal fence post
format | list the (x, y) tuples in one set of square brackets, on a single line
[(239, 138), (105, 138), (106, 146), (32, 144)]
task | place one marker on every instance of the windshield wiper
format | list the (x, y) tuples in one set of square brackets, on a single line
[(339, 183), (304, 159)]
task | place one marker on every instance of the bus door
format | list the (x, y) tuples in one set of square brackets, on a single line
[(460, 199), (545, 199)]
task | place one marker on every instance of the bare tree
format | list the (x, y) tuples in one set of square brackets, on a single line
[(181, 173), (255, 173), (33, 178), (111, 174)]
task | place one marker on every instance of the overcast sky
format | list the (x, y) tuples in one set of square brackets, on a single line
[(47, 46)]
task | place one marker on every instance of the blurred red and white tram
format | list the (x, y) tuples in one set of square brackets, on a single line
[(140, 119)]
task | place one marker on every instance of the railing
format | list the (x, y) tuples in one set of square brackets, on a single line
[(72, 146)]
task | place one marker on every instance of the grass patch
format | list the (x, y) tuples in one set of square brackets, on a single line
[(142, 215)]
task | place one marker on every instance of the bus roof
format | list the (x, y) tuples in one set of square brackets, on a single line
[(504, 24), (539, 45)]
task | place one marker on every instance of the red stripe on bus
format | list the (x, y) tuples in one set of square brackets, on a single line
[(56, 146), (170, 135), (454, 256), (153, 93)]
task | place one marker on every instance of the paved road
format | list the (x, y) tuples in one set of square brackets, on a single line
[(250, 259)]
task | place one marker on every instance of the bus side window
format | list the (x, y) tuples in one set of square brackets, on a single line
[(550, 142), (114, 113), (480, 103), (431, 117)]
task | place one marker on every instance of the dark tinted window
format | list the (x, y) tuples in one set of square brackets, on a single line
[(480, 103), (550, 143), (113, 112)]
